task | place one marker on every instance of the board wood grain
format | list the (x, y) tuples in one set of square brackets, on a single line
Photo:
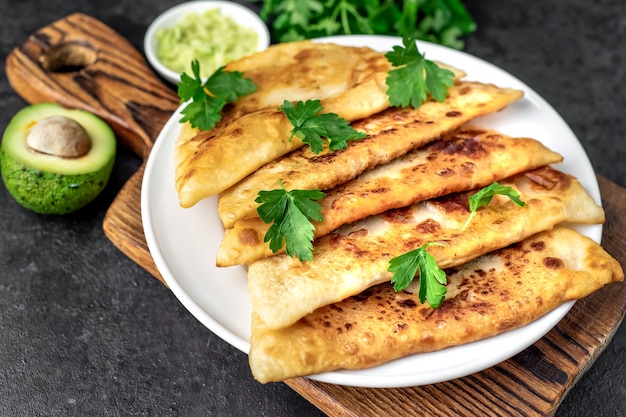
[(79, 62)]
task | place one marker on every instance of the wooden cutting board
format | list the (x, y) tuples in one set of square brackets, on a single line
[(81, 63)]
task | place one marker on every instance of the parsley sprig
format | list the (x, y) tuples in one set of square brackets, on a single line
[(415, 77), (483, 197), (206, 99), (312, 126), (291, 213), (432, 278)]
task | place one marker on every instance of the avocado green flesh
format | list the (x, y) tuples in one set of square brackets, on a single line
[(102, 137), (49, 184), (49, 193)]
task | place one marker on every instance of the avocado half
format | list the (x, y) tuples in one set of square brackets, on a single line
[(56, 160)]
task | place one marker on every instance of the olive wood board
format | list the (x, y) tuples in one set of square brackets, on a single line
[(82, 63)]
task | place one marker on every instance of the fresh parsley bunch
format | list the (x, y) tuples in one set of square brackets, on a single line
[(440, 21)]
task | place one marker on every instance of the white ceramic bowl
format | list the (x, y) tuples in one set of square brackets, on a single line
[(239, 13)]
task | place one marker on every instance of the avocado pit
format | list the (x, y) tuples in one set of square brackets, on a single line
[(59, 136)]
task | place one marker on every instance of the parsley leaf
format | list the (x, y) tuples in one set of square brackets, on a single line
[(432, 279), (483, 197), (415, 77), (291, 213), (206, 99), (311, 127)]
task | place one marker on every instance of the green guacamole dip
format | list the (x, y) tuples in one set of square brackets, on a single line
[(209, 37)]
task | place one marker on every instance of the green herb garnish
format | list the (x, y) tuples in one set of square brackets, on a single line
[(415, 77), (483, 197), (206, 99), (312, 126), (438, 21), (432, 279), (291, 213)]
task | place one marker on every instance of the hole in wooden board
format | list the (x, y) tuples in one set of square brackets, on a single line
[(68, 57)]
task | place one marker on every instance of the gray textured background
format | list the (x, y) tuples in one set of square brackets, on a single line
[(85, 331)]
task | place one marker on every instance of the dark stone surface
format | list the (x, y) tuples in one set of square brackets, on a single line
[(85, 331)]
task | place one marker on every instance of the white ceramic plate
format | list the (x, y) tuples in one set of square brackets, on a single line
[(183, 242)]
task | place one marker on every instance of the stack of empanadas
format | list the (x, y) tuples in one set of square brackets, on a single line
[(405, 185)]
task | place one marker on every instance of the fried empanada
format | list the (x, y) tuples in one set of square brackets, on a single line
[(356, 256), (254, 132), (462, 160), (497, 292), (391, 134)]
